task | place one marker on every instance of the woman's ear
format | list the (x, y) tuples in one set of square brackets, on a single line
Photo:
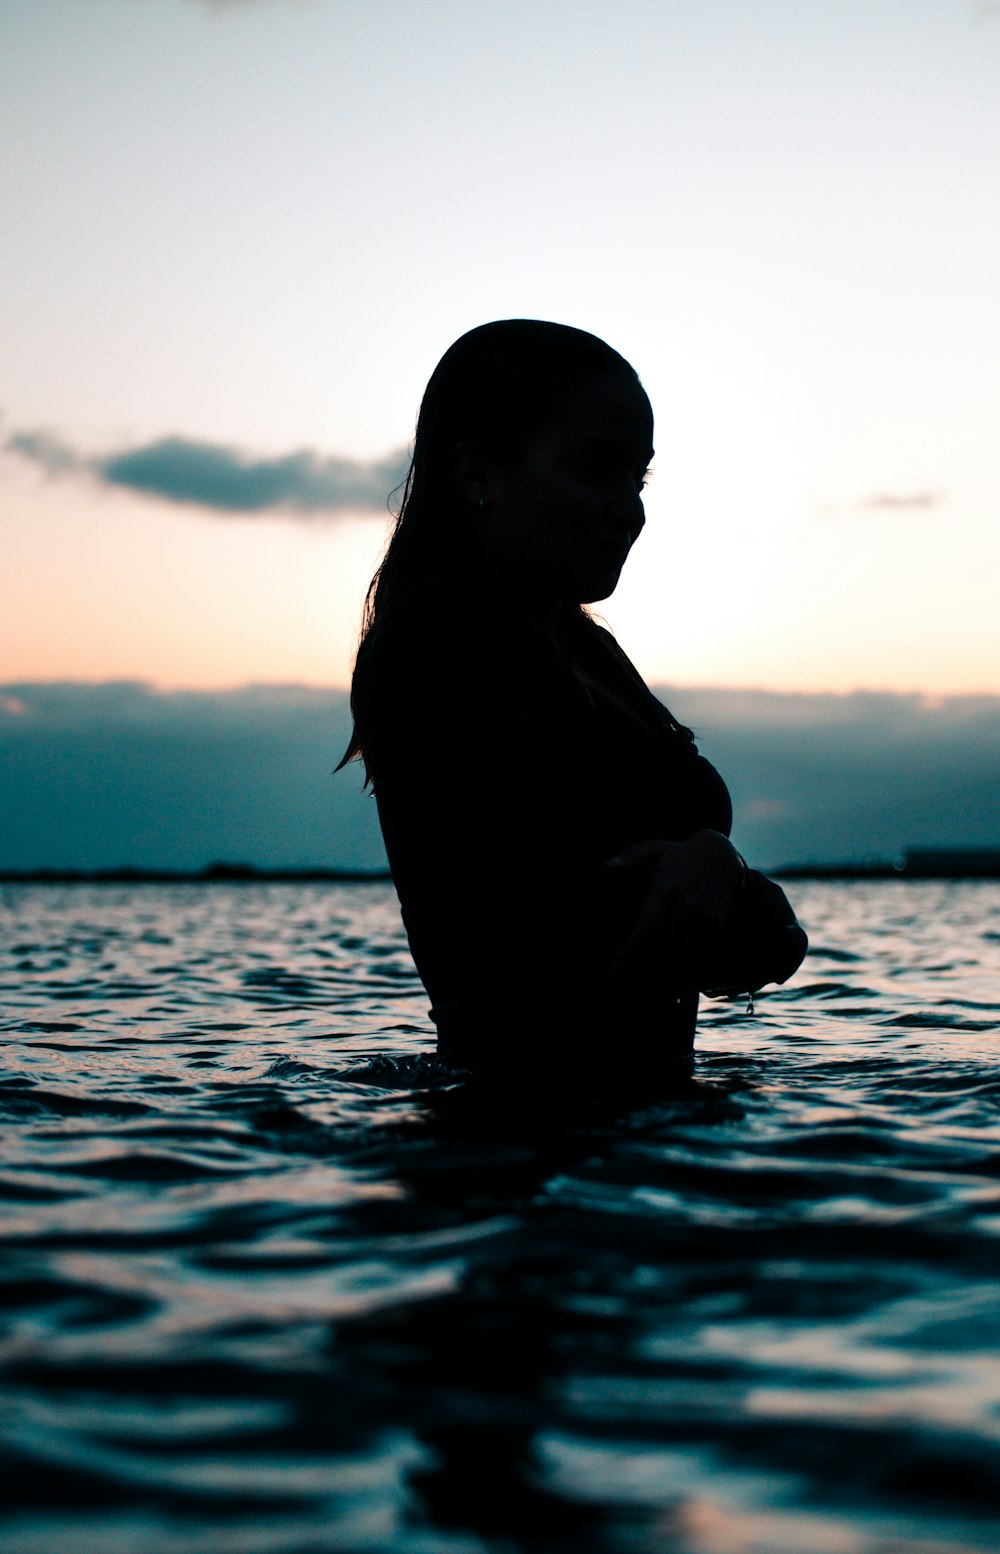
[(475, 473)]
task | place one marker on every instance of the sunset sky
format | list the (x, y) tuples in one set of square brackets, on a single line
[(237, 236)]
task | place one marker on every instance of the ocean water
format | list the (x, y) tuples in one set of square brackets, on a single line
[(274, 1281)]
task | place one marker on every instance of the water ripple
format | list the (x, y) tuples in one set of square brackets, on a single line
[(275, 1280)]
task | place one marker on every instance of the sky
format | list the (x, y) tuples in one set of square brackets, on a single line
[(238, 234)]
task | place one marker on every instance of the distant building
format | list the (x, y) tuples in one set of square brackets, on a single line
[(952, 862)]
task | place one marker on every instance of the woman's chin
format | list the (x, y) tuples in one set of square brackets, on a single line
[(600, 583)]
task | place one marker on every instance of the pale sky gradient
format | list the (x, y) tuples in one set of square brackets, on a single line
[(257, 224)]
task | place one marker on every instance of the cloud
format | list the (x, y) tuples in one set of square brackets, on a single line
[(223, 479), (100, 775), (228, 5), (103, 774), (209, 475), (55, 457), (224, 6), (911, 501)]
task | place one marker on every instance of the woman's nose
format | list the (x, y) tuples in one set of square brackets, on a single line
[(626, 510)]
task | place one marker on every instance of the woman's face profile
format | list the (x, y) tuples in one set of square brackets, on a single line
[(561, 515)]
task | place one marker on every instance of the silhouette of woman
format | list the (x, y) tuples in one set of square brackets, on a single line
[(559, 847)]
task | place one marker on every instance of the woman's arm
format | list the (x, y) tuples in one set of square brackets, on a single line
[(686, 891), (704, 920), (761, 941)]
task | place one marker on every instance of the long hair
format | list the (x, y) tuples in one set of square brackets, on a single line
[(497, 386)]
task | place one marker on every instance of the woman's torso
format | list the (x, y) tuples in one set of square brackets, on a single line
[(508, 768)]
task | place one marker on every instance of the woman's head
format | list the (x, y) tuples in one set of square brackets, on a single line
[(520, 421), (531, 448)]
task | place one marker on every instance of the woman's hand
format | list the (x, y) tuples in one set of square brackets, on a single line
[(689, 888), (762, 941)]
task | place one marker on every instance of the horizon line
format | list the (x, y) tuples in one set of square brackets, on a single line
[(174, 688), (913, 863)]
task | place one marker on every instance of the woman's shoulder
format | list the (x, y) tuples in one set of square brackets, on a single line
[(452, 629), (602, 656), (454, 647)]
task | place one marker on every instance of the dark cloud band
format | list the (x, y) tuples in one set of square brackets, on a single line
[(101, 775), (225, 480)]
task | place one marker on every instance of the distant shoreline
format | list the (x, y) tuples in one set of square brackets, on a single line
[(886, 871), (214, 874), (916, 864)]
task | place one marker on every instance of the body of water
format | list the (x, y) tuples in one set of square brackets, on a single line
[(273, 1281)]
